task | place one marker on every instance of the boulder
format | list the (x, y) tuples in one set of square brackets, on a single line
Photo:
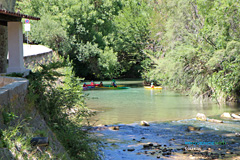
[(201, 117), (226, 115), (144, 123), (215, 120), (235, 116)]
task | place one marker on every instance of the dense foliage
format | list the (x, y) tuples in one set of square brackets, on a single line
[(57, 94), (187, 44), (197, 47), (102, 37)]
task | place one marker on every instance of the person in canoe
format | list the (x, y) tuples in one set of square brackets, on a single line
[(114, 83), (101, 84), (84, 85), (152, 86), (92, 83)]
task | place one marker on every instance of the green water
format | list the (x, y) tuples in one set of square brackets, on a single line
[(137, 104)]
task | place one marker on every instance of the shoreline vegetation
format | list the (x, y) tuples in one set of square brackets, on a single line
[(186, 45), (55, 106)]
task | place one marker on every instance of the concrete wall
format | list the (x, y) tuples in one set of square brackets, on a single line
[(12, 91)]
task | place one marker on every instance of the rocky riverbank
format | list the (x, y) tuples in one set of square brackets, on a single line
[(186, 139)]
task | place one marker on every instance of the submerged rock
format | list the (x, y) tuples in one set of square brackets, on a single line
[(192, 128), (201, 117), (226, 115), (114, 128), (131, 149), (215, 120), (144, 123)]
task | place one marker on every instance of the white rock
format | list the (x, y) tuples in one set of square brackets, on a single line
[(226, 115), (201, 117), (235, 116), (144, 123)]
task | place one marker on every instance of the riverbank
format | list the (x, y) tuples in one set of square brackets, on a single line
[(184, 139)]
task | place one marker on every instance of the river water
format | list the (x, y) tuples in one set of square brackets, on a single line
[(170, 114), (136, 104)]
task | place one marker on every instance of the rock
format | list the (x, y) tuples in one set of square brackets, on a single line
[(235, 116), (144, 123), (226, 115), (143, 138), (116, 128), (215, 120), (131, 149), (150, 144), (192, 128), (146, 146), (158, 157), (39, 141), (237, 134), (201, 117)]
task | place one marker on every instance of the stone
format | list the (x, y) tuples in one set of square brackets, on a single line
[(201, 117), (235, 116), (215, 120), (226, 115), (144, 123), (192, 128), (116, 128), (131, 149), (237, 134)]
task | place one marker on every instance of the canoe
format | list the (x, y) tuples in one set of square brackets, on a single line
[(89, 85), (148, 87), (103, 88), (112, 87)]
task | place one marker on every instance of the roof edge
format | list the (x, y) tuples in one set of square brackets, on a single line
[(19, 15)]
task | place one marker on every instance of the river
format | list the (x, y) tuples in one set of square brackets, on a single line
[(169, 114), (137, 104)]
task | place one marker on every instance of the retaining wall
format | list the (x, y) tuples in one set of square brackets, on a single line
[(12, 91)]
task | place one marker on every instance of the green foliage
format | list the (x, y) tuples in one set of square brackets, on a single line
[(17, 141), (83, 30), (199, 44), (61, 102), (8, 116)]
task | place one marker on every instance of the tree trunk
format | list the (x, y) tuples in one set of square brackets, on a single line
[(8, 5)]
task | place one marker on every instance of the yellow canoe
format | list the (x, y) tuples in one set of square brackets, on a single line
[(148, 87)]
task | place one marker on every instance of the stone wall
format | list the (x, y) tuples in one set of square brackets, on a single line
[(13, 99), (42, 58), (13, 90)]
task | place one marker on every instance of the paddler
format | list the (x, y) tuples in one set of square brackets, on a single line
[(152, 86), (101, 84), (92, 83), (114, 83)]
